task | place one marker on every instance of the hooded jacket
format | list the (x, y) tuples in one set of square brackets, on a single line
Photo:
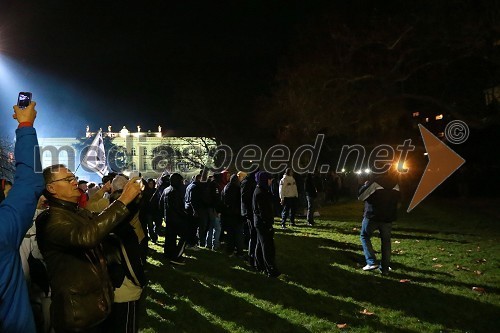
[(263, 202), (231, 197), (288, 187), (173, 201), (381, 197)]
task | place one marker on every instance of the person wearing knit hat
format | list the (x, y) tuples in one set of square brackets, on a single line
[(265, 252)]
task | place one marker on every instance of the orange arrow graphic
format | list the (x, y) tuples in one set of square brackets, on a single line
[(443, 162)]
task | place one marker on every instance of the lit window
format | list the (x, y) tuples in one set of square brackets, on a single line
[(441, 134), (133, 151), (439, 116), (416, 114), (426, 120)]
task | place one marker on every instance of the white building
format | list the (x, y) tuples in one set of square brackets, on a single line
[(149, 153)]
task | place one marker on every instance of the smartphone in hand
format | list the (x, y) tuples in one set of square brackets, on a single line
[(24, 99)]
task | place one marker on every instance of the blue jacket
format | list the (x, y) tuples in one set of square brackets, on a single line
[(16, 217)]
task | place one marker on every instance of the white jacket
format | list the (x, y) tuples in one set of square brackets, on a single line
[(288, 187)]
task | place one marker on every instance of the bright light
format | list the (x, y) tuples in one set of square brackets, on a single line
[(401, 166), (358, 172), (367, 170), (343, 170), (425, 154)]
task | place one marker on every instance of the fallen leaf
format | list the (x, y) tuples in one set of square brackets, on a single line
[(480, 261), (434, 259), (404, 280), (437, 266), (469, 250), (479, 289), (478, 249), (462, 268), (478, 272), (341, 326), (397, 242), (366, 312), (355, 229), (416, 240), (441, 248)]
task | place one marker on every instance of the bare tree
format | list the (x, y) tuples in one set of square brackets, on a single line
[(7, 163)]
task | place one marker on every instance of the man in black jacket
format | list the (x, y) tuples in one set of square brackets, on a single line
[(247, 187), (381, 196), (231, 198), (193, 203), (175, 220), (263, 221)]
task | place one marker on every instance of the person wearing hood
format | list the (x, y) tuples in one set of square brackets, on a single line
[(231, 198), (289, 197), (175, 220), (262, 203), (247, 187), (381, 196)]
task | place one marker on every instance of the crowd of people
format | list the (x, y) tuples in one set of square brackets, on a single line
[(73, 259)]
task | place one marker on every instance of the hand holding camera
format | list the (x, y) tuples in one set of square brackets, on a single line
[(24, 111), (131, 190)]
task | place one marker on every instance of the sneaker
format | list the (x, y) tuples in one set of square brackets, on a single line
[(178, 261), (370, 267)]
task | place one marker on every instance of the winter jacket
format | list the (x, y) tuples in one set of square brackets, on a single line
[(70, 241), (173, 201), (263, 208), (193, 201), (381, 197), (288, 187), (310, 187), (16, 213), (247, 187), (231, 197)]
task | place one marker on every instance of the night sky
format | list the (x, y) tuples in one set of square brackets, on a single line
[(105, 62)]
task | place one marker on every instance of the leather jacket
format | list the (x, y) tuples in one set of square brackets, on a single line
[(70, 241)]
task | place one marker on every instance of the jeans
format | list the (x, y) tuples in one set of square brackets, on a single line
[(310, 209), (213, 232), (289, 204), (367, 228)]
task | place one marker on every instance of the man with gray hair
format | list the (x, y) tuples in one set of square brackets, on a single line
[(70, 240)]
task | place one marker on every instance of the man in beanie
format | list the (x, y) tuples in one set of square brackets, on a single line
[(265, 252)]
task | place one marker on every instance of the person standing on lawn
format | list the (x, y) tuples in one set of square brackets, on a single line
[(381, 196), (16, 213)]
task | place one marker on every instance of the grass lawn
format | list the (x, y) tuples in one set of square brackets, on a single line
[(441, 250)]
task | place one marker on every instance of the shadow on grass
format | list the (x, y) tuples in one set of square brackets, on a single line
[(198, 285), (222, 289), (425, 303)]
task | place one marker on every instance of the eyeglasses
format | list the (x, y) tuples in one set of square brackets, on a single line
[(68, 179)]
